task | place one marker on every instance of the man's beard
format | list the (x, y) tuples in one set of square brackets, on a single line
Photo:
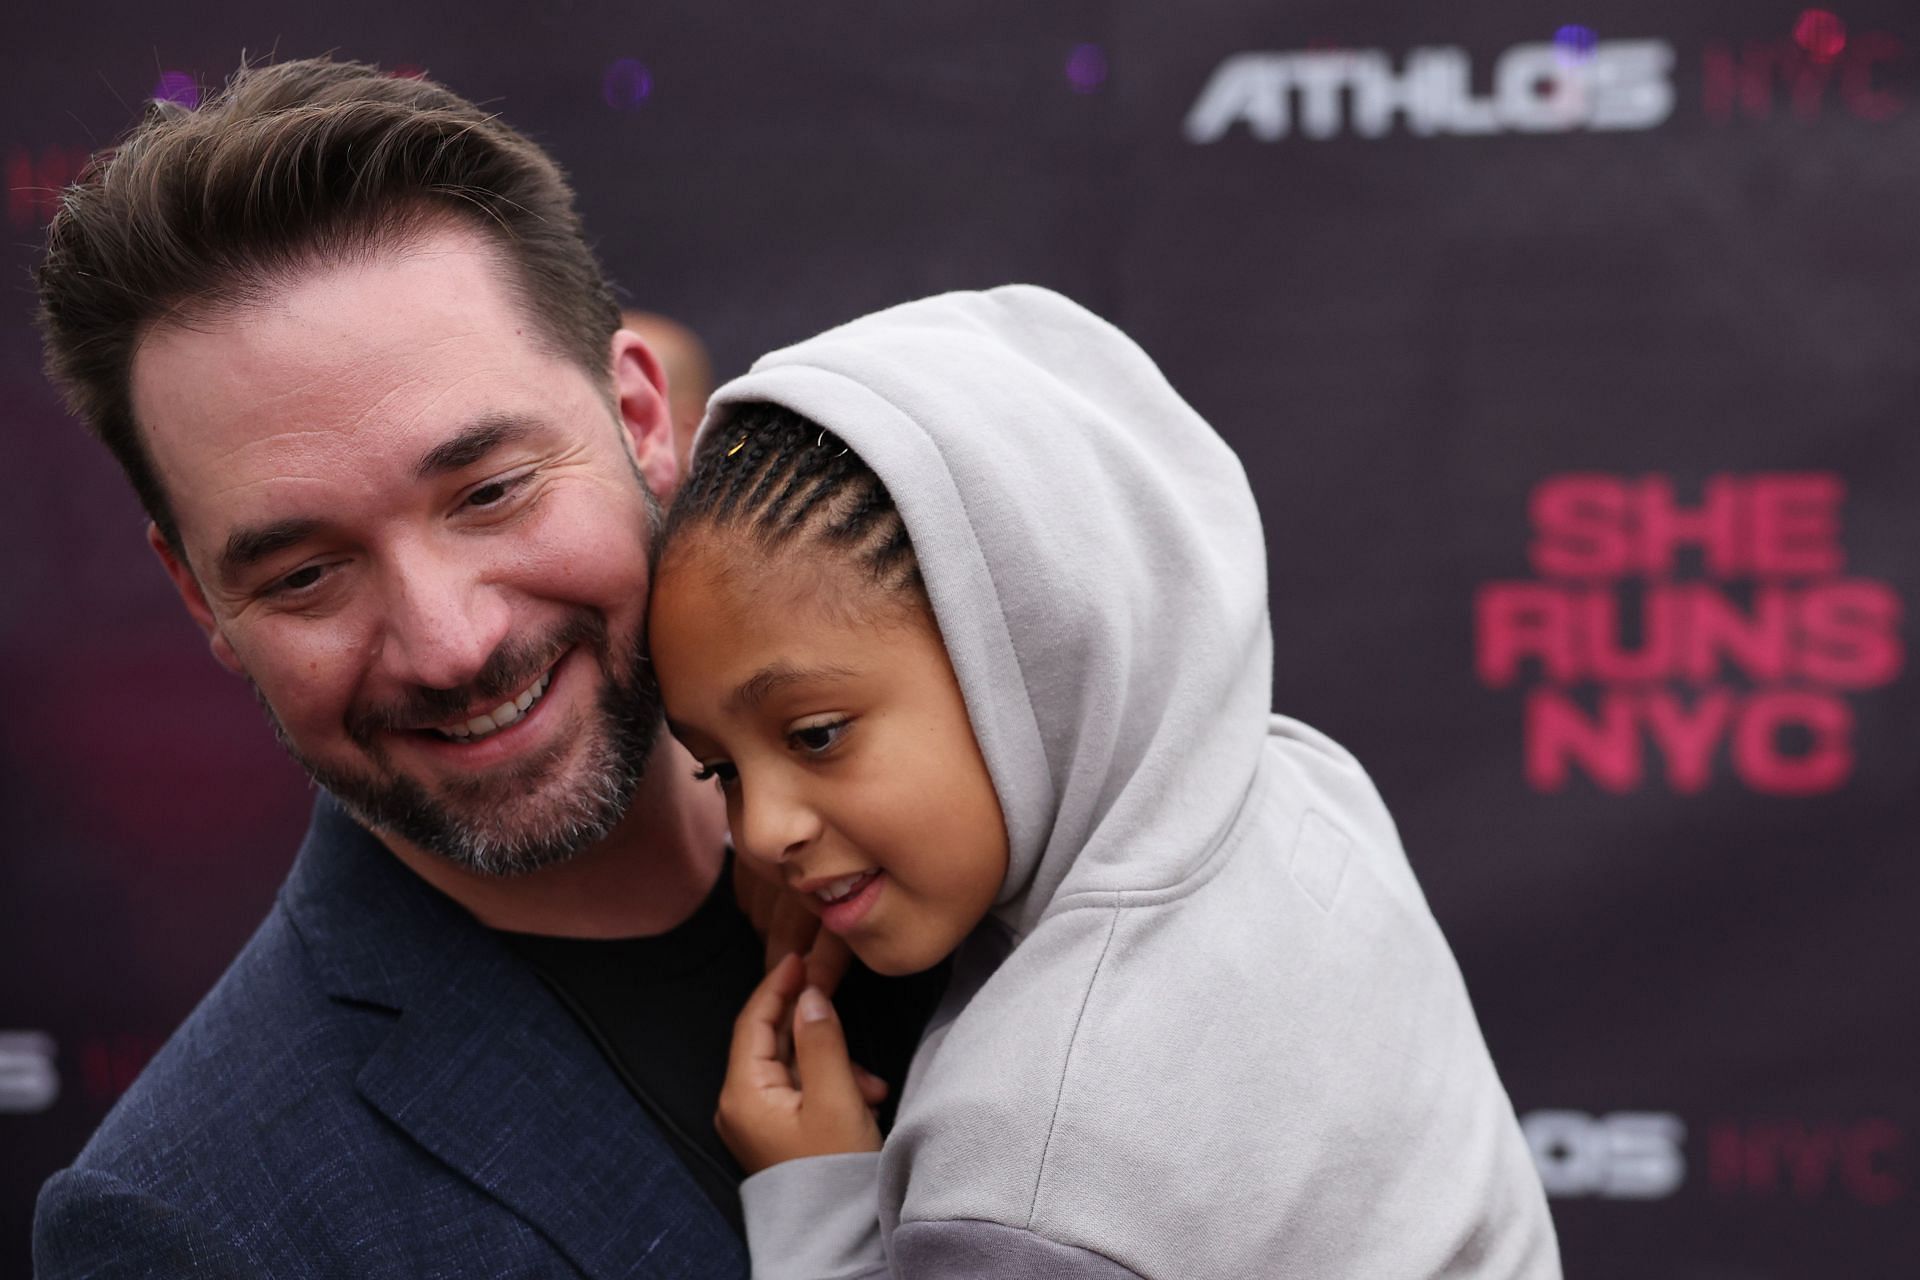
[(500, 823)]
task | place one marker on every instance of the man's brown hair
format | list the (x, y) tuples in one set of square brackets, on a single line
[(199, 210)]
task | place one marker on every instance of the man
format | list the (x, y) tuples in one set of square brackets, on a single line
[(689, 373), (345, 337)]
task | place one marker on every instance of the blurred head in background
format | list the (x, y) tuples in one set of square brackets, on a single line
[(344, 335)]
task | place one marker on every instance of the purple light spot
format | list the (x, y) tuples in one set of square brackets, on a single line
[(177, 86), (627, 84), (1575, 43), (1821, 34), (1086, 68)]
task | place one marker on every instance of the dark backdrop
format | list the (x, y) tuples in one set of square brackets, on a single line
[(1573, 356)]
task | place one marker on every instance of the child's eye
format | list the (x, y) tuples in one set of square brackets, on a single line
[(818, 739), (716, 771)]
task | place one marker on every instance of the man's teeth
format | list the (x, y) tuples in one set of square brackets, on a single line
[(834, 890), (501, 716)]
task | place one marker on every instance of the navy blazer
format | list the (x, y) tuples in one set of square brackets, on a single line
[(376, 1087)]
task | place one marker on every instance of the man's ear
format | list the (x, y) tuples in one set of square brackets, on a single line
[(640, 397), (195, 599)]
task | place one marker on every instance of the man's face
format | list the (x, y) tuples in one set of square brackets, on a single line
[(423, 538)]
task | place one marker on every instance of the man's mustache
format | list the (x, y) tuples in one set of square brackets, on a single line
[(508, 669)]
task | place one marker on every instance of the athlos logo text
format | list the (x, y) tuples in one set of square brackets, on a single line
[(1542, 87)]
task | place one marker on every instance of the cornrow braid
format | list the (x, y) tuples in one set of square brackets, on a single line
[(778, 477)]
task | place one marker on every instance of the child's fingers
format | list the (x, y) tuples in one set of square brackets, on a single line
[(757, 1055), (820, 1055), (827, 962), (873, 1090), (779, 915), (791, 928)]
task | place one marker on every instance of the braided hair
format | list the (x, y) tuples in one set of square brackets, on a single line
[(778, 477)]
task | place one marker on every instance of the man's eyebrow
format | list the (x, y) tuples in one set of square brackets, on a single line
[(250, 545), (758, 687), (472, 443)]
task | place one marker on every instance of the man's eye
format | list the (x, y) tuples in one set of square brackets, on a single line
[(719, 771), (299, 580), (494, 492), (818, 739)]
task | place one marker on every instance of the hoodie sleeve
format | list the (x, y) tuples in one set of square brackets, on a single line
[(816, 1219)]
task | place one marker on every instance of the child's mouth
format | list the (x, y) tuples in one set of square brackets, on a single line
[(845, 887), (845, 902)]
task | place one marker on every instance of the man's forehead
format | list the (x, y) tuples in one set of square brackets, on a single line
[(336, 347), (392, 304)]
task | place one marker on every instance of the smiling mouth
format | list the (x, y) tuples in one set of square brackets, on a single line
[(508, 712), (843, 888)]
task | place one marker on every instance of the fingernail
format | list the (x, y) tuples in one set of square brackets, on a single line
[(814, 1006)]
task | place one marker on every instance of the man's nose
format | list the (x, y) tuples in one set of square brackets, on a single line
[(443, 621), (773, 822)]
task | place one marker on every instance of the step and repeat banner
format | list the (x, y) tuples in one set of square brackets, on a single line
[(1574, 353)]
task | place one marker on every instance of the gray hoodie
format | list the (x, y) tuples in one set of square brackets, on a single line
[(1210, 1028)]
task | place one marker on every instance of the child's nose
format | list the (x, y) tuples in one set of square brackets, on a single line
[(774, 824)]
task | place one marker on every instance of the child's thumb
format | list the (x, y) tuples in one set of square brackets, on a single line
[(820, 1053)]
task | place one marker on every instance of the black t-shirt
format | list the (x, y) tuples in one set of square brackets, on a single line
[(662, 1008)]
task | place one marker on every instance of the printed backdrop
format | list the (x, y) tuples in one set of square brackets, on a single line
[(1574, 354)]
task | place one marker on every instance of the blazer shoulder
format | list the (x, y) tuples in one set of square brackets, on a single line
[(90, 1223), (265, 1042)]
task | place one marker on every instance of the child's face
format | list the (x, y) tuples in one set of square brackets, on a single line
[(830, 715)]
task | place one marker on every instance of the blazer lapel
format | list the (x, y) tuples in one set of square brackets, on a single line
[(486, 1071)]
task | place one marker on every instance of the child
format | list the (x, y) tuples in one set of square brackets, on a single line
[(965, 610)]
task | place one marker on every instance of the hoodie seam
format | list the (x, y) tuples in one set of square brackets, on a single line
[(1238, 830), (1066, 1067), (964, 1219)]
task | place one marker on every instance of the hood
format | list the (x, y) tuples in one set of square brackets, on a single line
[(1095, 563)]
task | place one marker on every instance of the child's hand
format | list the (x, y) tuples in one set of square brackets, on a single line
[(776, 912), (815, 1102), (780, 917)]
